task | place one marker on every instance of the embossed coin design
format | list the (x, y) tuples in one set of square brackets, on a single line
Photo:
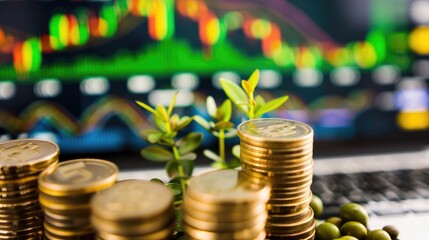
[(140, 208), (65, 192), (21, 162)]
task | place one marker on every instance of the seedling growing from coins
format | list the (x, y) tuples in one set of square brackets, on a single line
[(176, 153), (220, 125)]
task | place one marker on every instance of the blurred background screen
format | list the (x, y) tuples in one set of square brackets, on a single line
[(356, 71)]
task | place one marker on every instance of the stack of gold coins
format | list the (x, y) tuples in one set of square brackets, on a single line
[(224, 204), (282, 150), (21, 162), (65, 192), (134, 209)]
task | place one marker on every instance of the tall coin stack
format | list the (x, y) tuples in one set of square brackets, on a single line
[(282, 150), (65, 192), (134, 209), (224, 204), (21, 162)]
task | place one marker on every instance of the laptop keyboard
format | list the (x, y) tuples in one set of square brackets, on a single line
[(381, 192)]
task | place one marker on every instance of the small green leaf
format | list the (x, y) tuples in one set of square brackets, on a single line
[(236, 151), (147, 107), (172, 103), (157, 180), (172, 168), (271, 105), (168, 142), (189, 156), (259, 102), (157, 154), (174, 120), (224, 125), (211, 106), (218, 165), (254, 79), (183, 122), (160, 124), (146, 132), (202, 122), (162, 112), (224, 111), (154, 137), (246, 86), (236, 94), (175, 188), (190, 142), (212, 155)]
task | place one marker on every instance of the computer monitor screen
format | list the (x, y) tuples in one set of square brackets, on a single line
[(355, 71)]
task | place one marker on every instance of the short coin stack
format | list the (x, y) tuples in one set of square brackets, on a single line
[(282, 150), (21, 162), (65, 193), (223, 204), (134, 209)]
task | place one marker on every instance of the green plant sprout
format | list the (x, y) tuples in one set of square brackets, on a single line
[(176, 153), (243, 98), (220, 127)]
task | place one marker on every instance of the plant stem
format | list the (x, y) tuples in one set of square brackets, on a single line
[(251, 106), (222, 145), (180, 170)]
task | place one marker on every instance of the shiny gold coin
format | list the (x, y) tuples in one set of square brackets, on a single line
[(274, 131), (67, 222), (22, 201), (17, 215), (18, 194), (278, 146), (261, 236), (135, 226), (26, 180), (51, 236), (299, 235), (59, 207), (279, 157), (68, 232), (275, 174), (291, 227), (132, 199), (77, 177), (225, 209), (230, 214), (225, 186), (24, 155), (20, 208), (280, 200), (275, 165), (247, 233), (18, 186), (228, 226), (282, 171), (165, 233), (285, 218), (306, 147), (22, 232), (71, 200)]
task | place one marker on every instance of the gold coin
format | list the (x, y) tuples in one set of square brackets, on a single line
[(274, 130), (299, 235), (26, 180), (21, 232), (26, 155), (18, 194), (165, 233), (77, 177), (62, 217), (273, 173), (282, 166), (71, 200), (134, 226), (285, 218), (132, 199), (245, 233), (230, 214), (51, 236), (224, 226), (68, 232), (308, 146), (225, 186), (291, 226), (16, 215), (59, 207), (277, 157), (18, 186), (278, 146), (67, 223)]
